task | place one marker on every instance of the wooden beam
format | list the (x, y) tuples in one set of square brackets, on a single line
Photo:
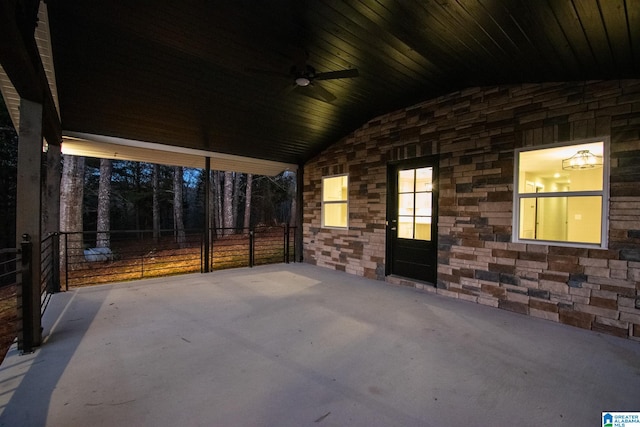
[(21, 61)]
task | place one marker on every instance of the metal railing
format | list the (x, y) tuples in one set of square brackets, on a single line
[(127, 255), (10, 264), (49, 269), (91, 258), (19, 316), (86, 258), (231, 248)]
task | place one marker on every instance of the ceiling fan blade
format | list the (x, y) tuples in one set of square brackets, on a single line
[(318, 92), (342, 74)]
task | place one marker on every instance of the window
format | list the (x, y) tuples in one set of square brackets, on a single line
[(415, 197), (561, 194), (335, 201)]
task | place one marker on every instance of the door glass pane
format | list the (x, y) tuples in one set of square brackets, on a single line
[(405, 181), (424, 180), (405, 204), (423, 228), (405, 227), (423, 204)]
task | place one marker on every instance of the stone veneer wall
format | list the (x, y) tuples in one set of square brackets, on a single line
[(475, 132)]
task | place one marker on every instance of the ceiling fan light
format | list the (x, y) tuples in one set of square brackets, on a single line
[(302, 81)]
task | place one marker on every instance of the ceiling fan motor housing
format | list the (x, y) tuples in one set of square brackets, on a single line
[(303, 78)]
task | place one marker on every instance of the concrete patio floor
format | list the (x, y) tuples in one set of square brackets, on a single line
[(298, 345)]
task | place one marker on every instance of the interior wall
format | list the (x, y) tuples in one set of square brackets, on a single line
[(475, 132)]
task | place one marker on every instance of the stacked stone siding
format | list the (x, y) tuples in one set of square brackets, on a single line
[(475, 132)]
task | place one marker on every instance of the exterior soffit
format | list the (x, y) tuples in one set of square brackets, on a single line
[(106, 147), (43, 41)]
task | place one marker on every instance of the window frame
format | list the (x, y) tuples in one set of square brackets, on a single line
[(604, 194), (334, 202), (415, 193)]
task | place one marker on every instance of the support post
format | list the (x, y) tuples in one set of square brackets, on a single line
[(26, 337), (251, 243), (207, 214), (51, 210), (29, 207), (286, 243), (299, 214), (51, 190)]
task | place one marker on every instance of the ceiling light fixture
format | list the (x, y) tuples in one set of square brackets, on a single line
[(583, 159), (303, 81)]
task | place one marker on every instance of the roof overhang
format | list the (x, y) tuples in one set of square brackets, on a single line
[(106, 147), (27, 70), (43, 42), (99, 146)]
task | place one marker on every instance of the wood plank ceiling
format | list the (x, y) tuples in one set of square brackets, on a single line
[(184, 72)]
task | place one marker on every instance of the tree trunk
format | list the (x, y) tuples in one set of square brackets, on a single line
[(227, 217), (247, 205), (218, 202), (236, 199), (71, 195), (155, 183), (138, 187), (178, 216), (212, 198), (104, 202)]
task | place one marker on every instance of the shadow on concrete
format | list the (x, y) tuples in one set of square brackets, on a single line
[(26, 393)]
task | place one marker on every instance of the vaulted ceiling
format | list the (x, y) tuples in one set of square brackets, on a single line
[(214, 74)]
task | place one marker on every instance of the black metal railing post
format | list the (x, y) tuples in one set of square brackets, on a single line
[(251, 247), (286, 244), (214, 235), (204, 251), (66, 261), (55, 264), (25, 298), (295, 236)]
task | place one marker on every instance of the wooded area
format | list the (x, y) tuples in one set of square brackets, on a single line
[(124, 195), (101, 195), (8, 173)]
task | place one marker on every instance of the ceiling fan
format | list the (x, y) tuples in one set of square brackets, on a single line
[(303, 80)]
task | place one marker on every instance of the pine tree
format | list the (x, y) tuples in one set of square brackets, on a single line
[(104, 204), (71, 195), (178, 214)]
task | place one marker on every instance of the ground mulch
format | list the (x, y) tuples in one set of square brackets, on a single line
[(144, 259)]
